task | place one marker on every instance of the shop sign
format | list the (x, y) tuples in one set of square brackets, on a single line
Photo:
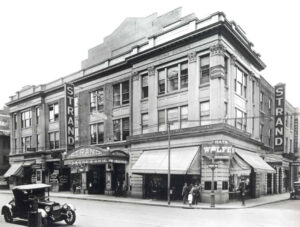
[(219, 147), (86, 152), (70, 114), (296, 135), (279, 117)]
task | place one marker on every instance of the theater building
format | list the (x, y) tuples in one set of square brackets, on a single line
[(175, 81)]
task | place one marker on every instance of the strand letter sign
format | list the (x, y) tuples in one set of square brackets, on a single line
[(279, 117), (70, 116)]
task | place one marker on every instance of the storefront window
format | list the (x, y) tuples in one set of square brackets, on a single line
[(207, 185)]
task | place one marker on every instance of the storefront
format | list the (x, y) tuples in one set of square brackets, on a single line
[(95, 170), (152, 165)]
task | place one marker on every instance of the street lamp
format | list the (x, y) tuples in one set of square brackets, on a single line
[(213, 166)]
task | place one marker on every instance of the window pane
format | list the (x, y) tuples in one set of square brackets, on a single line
[(116, 95), (144, 86), (116, 130), (93, 101), (239, 75), (161, 81), (173, 118), (161, 120), (100, 100), (56, 112), (93, 134), (125, 128), (145, 119), (204, 113), (204, 69), (125, 92), (173, 78), (100, 133), (184, 75)]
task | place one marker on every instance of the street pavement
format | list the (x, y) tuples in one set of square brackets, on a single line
[(92, 213)]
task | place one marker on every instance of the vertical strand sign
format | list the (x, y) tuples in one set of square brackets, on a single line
[(279, 117), (70, 115)]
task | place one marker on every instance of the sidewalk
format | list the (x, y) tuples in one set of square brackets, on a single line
[(176, 204)]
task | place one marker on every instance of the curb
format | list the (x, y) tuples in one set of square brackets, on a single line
[(160, 205)]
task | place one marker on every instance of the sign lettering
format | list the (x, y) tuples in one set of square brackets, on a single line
[(279, 117), (70, 116)]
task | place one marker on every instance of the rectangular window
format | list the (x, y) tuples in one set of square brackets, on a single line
[(145, 123), (226, 70), (270, 105), (121, 129), (16, 145), (97, 133), (117, 130), (207, 185), (37, 115), (54, 140), (76, 106), (204, 113), (161, 120), (241, 83), (291, 122), (161, 81), (26, 119), (26, 143), (204, 69), (172, 116), (125, 92), (253, 90), (183, 117), (118, 89), (240, 119), (261, 129), (261, 100), (125, 128), (53, 112), (184, 75), (96, 101), (172, 75), (116, 95), (144, 86), (15, 119), (224, 185)]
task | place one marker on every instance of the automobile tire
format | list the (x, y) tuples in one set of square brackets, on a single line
[(71, 217), (7, 216)]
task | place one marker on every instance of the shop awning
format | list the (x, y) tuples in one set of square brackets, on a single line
[(28, 163), (239, 167), (255, 161), (182, 161), (14, 170)]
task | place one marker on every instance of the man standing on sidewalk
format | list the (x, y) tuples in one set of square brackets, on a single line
[(242, 189), (185, 193)]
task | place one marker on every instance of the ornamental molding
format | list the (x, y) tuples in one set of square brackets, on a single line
[(151, 71), (218, 49), (192, 57)]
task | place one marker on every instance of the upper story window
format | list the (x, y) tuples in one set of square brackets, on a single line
[(144, 86), (261, 99), (204, 69), (26, 143), (121, 129), (226, 70), (261, 129), (240, 119), (204, 113), (287, 120), (54, 140), (96, 100), (177, 118), (26, 119), (241, 83), (97, 133), (53, 112), (15, 121), (37, 115), (121, 94), (145, 123), (270, 104), (291, 122), (173, 78)]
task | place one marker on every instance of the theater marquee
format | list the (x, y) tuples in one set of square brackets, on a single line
[(279, 117), (70, 116)]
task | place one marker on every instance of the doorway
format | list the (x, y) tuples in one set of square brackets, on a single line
[(96, 179)]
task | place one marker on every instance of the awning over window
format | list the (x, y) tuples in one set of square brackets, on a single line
[(255, 161), (239, 167), (182, 161), (14, 170)]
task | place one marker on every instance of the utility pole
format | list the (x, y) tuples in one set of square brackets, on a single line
[(169, 163), (213, 166)]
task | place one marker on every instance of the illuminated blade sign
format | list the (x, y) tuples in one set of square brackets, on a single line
[(279, 117), (70, 120)]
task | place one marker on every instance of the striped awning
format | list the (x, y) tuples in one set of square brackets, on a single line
[(14, 170)]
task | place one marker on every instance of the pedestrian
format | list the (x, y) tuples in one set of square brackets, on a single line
[(185, 193), (242, 189), (190, 196), (197, 194), (74, 187)]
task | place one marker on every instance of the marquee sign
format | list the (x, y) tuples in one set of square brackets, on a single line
[(70, 116), (279, 117)]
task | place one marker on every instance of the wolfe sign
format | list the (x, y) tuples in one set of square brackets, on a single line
[(279, 117), (70, 116)]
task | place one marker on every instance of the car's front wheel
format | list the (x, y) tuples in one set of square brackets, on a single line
[(70, 217), (7, 216)]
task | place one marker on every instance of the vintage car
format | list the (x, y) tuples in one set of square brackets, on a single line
[(296, 190), (36, 196)]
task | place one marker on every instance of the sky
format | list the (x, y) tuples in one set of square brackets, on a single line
[(41, 40)]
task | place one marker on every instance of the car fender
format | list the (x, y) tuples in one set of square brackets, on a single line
[(72, 207), (9, 207), (43, 213)]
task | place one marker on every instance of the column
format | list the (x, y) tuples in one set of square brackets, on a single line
[(136, 103), (152, 99)]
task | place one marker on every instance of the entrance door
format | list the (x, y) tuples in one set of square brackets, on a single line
[(96, 179), (118, 178), (269, 183)]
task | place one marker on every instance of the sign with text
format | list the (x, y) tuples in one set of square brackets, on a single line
[(279, 117), (218, 147), (70, 116)]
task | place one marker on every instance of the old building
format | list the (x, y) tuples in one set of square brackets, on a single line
[(190, 83), (4, 145)]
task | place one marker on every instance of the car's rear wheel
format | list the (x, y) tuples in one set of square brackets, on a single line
[(70, 217), (7, 216)]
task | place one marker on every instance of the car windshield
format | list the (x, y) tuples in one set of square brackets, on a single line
[(40, 194)]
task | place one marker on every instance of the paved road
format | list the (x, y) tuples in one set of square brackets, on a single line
[(107, 214)]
